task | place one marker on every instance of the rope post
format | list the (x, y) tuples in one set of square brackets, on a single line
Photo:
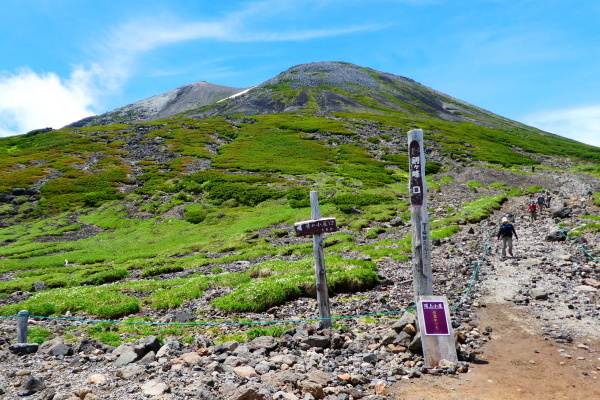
[(22, 319)]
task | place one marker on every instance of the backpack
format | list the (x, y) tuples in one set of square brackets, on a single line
[(506, 230)]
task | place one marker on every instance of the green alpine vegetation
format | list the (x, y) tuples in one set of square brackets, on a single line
[(111, 218)]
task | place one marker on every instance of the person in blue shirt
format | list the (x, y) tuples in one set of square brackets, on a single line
[(506, 232)]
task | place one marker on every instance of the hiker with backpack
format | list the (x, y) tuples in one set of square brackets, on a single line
[(506, 232), (548, 199), (541, 202), (532, 211)]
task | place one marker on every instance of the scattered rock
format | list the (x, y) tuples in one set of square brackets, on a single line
[(154, 388), (538, 294), (24, 348), (245, 372), (97, 379)]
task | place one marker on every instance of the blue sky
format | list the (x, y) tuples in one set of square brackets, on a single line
[(534, 61)]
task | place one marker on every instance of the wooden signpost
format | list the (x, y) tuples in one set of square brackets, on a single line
[(316, 226), (421, 250), (432, 311)]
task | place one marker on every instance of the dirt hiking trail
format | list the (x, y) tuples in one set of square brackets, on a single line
[(520, 360)]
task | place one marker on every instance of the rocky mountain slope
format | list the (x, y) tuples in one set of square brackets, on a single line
[(326, 87), (176, 101), (320, 87), (365, 357), (159, 257)]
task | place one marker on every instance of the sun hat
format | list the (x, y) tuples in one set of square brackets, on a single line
[(504, 219)]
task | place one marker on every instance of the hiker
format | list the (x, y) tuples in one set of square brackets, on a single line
[(541, 202), (532, 211), (506, 233), (548, 199)]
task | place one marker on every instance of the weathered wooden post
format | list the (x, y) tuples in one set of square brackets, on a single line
[(421, 250), (22, 320), (320, 273), (316, 226), (433, 314)]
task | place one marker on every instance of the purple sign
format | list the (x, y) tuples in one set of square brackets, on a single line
[(416, 178), (434, 317), (315, 226)]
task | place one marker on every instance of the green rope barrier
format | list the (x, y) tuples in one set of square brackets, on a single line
[(475, 272), (560, 229), (220, 323)]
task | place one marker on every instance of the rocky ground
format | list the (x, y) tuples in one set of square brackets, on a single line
[(547, 292)]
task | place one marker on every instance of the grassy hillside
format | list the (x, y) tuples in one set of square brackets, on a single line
[(116, 218)]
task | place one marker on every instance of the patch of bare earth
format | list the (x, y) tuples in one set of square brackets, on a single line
[(518, 363)]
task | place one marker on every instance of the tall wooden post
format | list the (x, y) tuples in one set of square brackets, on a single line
[(421, 249), (320, 274)]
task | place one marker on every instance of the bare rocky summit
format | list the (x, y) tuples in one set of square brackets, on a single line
[(176, 101)]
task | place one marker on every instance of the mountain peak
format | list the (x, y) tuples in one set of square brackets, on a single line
[(319, 88)]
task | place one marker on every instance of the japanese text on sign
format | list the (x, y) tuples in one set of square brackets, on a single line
[(416, 177), (315, 226), (434, 315)]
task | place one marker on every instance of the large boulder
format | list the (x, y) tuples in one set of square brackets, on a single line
[(561, 212), (556, 236)]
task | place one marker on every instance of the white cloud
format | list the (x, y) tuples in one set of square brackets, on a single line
[(581, 124), (30, 101)]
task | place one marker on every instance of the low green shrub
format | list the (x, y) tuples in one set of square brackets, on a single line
[(474, 184), (298, 197), (375, 232), (287, 281), (194, 213), (347, 202), (444, 232), (161, 269), (111, 275), (174, 296), (350, 281), (103, 332), (479, 209), (590, 216), (591, 227), (38, 334), (102, 301), (279, 233), (271, 330), (533, 189), (432, 167), (242, 193), (260, 295)]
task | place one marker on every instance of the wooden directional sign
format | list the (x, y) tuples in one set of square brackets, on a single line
[(315, 226)]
